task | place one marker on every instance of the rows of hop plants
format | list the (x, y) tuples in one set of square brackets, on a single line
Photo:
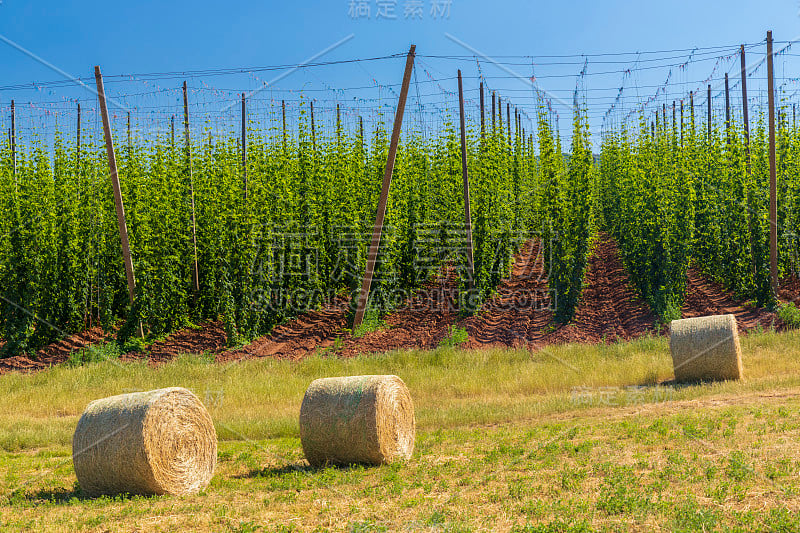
[(675, 197), (291, 237)]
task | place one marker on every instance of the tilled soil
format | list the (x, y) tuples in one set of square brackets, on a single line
[(608, 309), (208, 337), (296, 338), (790, 290), (422, 323), (705, 297), (55, 353), (519, 310)]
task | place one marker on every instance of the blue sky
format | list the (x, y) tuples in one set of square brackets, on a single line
[(149, 36)]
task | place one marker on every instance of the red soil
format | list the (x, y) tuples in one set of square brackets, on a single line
[(422, 323), (209, 337), (790, 290), (298, 337), (705, 297), (608, 309), (56, 353)]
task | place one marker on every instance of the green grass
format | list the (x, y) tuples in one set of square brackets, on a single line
[(456, 336), (95, 354), (573, 438), (372, 321), (790, 314)]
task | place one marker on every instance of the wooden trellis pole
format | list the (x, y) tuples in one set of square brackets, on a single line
[(508, 121), (500, 115), (773, 181), (709, 113), (483, 126), (78, 138), (283, 109), (313, 130), (195, 266), (674, 120), (244, 145), (13, 136), (372, 257), (745, 115), (727, 110), (119, 206), (465, 176), (493, 111)]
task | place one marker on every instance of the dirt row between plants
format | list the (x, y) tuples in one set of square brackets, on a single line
[(208, 338), (706, 297), (608, 310), (518, 315), (790, 290), (55, 353), (296, 338)]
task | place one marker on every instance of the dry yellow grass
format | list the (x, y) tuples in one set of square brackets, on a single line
[(573, 438)]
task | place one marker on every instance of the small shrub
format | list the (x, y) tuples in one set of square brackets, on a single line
[(790, 314), (94, 354), (372, 322), (455, 336)]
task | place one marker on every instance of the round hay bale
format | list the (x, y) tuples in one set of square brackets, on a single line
[(706, 348), (357, 419), (157, 442)]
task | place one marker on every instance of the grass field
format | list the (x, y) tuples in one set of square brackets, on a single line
[(572, 438)]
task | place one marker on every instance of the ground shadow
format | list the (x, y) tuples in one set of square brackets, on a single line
[(64, 496), (303, 467)]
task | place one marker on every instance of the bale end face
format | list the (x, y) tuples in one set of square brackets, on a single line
[(706, 349)]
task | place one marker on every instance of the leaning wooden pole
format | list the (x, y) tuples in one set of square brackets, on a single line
[(465, 176), (773, 181), (372, 257), (195, 268), (120, 208)]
